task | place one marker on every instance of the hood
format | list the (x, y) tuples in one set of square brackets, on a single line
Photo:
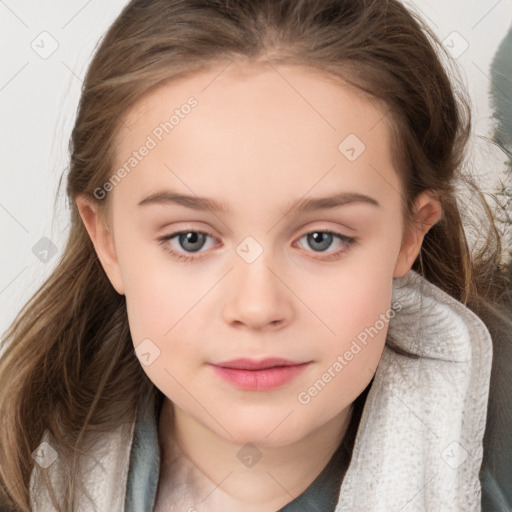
[(419, 443)]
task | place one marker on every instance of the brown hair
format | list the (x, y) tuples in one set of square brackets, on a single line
[(69, 364)]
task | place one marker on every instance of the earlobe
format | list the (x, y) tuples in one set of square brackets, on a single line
[(103, 241), (428, 211)]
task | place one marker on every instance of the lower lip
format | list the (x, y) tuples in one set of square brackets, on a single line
[(260, 380)]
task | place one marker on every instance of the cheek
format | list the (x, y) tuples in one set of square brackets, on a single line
[(352, 296), (348, 360), (362, 318), (154, 307), (158, 310), (161, 329), (355, 306)]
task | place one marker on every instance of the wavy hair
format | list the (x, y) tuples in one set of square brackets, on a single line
[(69, 364)]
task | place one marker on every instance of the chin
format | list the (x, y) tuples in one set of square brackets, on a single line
[(263, 433)]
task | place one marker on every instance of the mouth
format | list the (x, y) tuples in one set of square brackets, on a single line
[(261, 364), (260, 375)]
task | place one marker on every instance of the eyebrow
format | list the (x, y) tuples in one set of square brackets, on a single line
[(297, 206)]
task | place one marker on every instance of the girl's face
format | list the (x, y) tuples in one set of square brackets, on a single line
[(256, 277)]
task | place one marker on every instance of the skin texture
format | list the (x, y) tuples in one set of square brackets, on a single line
[(260, 137)]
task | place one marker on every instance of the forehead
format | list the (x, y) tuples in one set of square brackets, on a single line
[(257, 126), (316, 97)]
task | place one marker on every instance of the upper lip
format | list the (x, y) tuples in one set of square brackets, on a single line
[(257, 364)]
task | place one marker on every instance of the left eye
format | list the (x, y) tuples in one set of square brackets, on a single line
[(323, 239), (193, 241)]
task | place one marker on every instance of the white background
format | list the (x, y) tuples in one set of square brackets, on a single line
[(39, 97)]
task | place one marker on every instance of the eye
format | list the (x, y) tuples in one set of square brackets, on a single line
[(323, 239), (193, 241)]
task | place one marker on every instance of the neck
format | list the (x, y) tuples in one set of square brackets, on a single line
[(199, 467)]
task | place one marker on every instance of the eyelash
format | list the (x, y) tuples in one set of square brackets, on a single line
[(347, 240)]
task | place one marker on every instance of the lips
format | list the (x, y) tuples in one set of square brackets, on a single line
[(259, 375), (253, 364)]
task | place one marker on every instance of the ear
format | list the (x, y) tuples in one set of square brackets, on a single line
[(428, 211), (102, 239)]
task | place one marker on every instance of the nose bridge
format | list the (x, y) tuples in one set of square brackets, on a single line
[(258, 297), (252, 266)]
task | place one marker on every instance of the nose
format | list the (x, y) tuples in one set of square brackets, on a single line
[(258, 297)]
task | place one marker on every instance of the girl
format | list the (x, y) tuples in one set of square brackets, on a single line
[(267, 300)]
